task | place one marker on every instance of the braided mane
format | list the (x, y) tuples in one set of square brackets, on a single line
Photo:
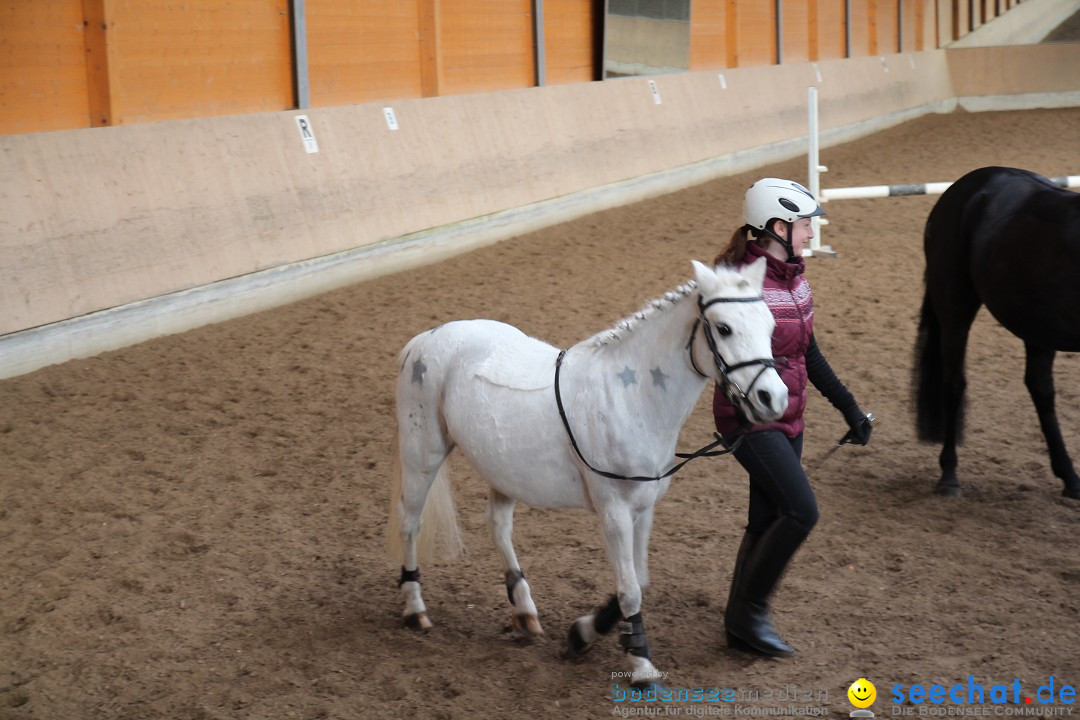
[(620, 330)]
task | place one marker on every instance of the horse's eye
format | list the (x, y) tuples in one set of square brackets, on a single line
[(724, 330)]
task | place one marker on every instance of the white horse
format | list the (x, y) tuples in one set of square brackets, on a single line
[(592, 427)]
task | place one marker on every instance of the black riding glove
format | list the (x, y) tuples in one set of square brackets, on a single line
[(860, 427), (824, 379)]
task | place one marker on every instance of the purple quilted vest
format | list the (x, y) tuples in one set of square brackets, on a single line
[(788, 296)]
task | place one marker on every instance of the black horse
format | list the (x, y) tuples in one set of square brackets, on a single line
[(1010, 239)]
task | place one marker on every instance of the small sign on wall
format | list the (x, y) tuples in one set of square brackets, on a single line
[(391, 119), (655, 92), (307, 134)]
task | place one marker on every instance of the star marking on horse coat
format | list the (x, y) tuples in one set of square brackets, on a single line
[(628, 377), (659, 379), (418, 370)]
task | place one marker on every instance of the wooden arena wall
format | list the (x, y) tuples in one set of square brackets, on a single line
[(67, 64), (980, 77), (112, 235), (102, 217)]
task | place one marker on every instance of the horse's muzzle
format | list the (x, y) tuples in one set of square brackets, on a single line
[(763, 407)]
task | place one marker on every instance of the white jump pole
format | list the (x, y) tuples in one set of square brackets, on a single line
[(813, 173)]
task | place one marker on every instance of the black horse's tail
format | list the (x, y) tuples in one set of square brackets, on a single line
[(929, 408)]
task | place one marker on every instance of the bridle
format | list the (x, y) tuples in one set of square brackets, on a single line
[(726, 384)]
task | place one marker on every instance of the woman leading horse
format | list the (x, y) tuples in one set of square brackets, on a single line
[(782, 509)]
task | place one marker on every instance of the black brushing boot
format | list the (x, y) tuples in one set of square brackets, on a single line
[(632, 639), (604, 618), (759, 565)]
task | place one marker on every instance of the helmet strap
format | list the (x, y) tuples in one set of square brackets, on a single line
[(786, 243)]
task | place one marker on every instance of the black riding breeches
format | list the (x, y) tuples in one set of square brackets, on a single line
[(778, 483)]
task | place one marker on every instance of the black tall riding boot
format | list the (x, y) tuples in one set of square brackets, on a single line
[(747, 616), (749, 539)]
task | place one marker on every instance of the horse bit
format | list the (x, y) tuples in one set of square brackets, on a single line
[(726, 384)]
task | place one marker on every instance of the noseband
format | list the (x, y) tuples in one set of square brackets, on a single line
[(736, 394)]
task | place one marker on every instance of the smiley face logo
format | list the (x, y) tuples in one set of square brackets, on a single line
[(862, 693)]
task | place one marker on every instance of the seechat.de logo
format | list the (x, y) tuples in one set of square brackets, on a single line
[(862, 694)]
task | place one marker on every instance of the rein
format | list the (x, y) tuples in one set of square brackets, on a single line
[(706, 451), (726, 384)]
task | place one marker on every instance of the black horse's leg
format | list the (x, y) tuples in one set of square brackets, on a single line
[(954, 337), (953, 397), (1039, 379)]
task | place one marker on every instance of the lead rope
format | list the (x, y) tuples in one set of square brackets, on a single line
[(707, 451)]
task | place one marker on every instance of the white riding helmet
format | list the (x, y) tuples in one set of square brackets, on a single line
[(770, 198)]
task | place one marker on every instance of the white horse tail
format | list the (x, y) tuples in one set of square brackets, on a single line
[(440, 533), (439, 536)]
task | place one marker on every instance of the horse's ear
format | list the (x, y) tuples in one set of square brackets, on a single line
[(705, 275), (755, 273)]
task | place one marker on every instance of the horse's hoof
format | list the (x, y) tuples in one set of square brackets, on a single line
[(528, 625), (418, 621), (576, 645), (1073, 493), (651, 687), (947, 490)]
